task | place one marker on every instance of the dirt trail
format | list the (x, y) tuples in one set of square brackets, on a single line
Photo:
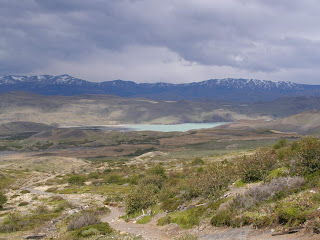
[(148, 231)]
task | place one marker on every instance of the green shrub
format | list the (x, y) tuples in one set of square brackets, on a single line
[(278, 172), (116, 179), (83, 219), (257, 166), (291, 214), (164, 220), (141, 197), (154, 180), (222, 218), (280, 144), (25, 191), (42, 209), (52, 189), (93, 175), (211, 182), (144, 220), (23, 204), (310, 156), (12, 223), (95, 229), (158, 170), (134, 180), (3, 199), (171, 204), (90, 232), (240, 183), (216, 204), (197, 161), (15, 222), (185, 219), (76, 180)]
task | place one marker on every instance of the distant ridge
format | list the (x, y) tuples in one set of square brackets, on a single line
[(307, 122), (22, 127), (229, 89)]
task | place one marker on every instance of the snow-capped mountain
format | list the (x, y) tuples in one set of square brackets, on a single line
[(229, 89), (41, 79)]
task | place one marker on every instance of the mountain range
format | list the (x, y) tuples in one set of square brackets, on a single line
[(229, 89)]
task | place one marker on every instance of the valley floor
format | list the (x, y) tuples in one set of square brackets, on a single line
[(47, 190)]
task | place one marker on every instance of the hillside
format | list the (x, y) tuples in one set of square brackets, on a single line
[(229, 89), (84, 110), (104, 110), (22, 127), (303, 123)]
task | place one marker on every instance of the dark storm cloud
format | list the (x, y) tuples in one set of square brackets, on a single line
[(245, 38)]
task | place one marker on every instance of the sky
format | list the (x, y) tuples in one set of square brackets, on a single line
[(169, 40)]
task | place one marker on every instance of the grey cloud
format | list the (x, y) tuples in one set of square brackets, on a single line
[(255, 36)]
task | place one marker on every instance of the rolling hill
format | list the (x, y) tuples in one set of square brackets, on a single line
[(95, 109), (306, 123), (103, 110), (23, 127)]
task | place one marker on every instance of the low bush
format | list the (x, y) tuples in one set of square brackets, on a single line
[(211, 182), (257, 166), (185, 219), (3, 199), (83, 219), (91, 230), (164, 220), (93, 175), (158, 170), (141, 197), (76, 180), (291, 214), (309, 161), (116, 179), (187, 237), (25, 191), (197, 161), (144, 220), (16, 222), (276, 189), (23, 204), (154, 180), (42, 209), (222, 218), (52, 189), (280, 144)]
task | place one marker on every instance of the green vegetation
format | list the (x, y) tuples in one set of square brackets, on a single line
[(91, 230), (15, 222), (76, 180), (23, 204), (144, 220), (3, 199), (204, 178), (185, 219), (281, 179)]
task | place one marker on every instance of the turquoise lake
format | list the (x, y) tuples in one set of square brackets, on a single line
[(172, 128)]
